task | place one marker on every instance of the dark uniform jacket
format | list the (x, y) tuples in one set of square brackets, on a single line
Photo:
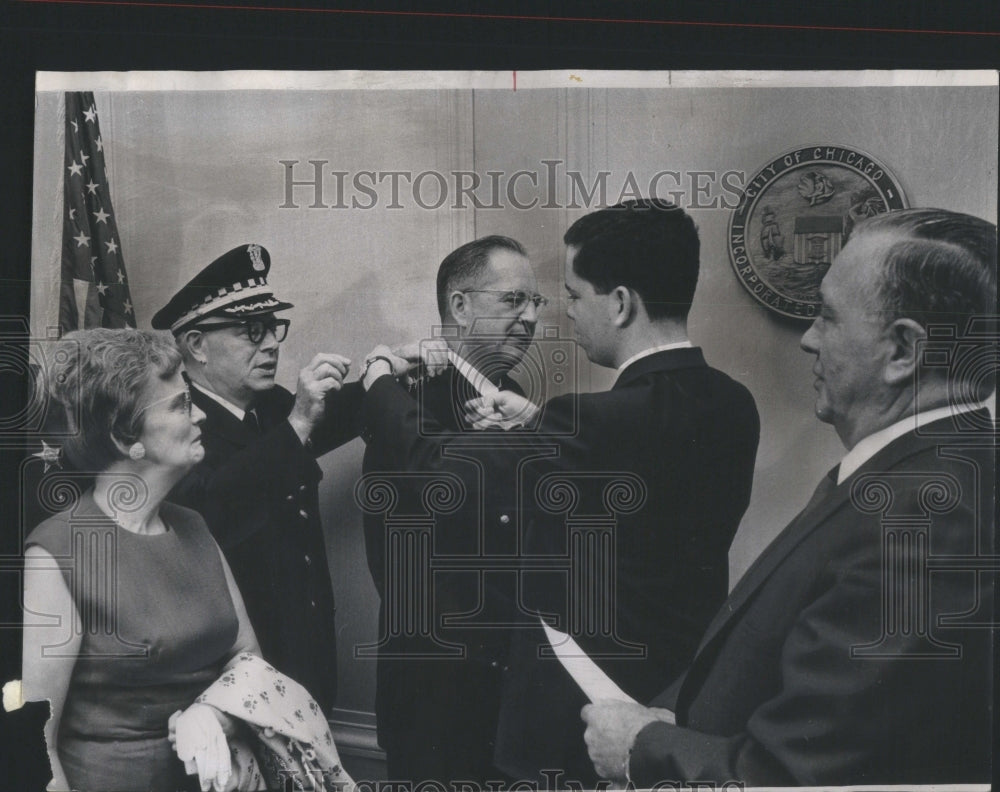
[(659, 469), (856, 649), (258, 493), (440, 658)]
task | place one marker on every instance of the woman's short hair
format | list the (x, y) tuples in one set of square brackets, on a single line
[(99, 377)]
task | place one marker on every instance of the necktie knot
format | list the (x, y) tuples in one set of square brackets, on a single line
[(826, 485), (250, 421)]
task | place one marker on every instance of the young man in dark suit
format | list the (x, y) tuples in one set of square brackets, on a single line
[(857, 648), (659, 467), (257, 485)]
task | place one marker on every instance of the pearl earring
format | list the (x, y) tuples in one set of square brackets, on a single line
[(137, 451)]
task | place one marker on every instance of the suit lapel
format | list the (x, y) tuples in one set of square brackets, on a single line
[(440, 397), (220, 421), (805, 522), (809, 519)]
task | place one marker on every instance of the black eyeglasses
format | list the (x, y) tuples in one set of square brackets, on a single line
[(255, 329), (515, 300)]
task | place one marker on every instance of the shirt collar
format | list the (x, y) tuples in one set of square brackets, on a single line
[(685, 344), (866, 448), (472, 375), (240, 414)]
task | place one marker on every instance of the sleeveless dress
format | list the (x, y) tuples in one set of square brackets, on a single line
[(158, 626)]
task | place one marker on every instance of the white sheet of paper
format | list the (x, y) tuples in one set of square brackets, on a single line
[(587, 674), (472, 374)]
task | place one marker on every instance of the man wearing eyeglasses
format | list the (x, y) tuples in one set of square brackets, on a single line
[(257, 486), (488, 301), (436, 711), (657, 470)]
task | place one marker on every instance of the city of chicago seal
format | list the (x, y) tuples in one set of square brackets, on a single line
[(794, 216)]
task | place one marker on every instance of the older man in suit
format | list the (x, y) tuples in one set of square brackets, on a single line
[(257, 486), (857, 648), (439, 667), (669, 450)]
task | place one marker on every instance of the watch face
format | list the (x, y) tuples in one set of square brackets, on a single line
[(795, 215)]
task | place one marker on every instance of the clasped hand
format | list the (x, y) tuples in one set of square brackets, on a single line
[(612, 727), (503, 409), (405, 359), (431, 353)]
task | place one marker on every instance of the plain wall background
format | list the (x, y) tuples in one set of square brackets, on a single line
[(194, 174)]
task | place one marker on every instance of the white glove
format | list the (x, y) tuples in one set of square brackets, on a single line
[(201, 745)]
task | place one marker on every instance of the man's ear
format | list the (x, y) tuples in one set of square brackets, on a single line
[(193, 346), (622, 305), (904, 337), (459, 307)]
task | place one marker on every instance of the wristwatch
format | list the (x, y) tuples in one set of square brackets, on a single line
[(370, 360)]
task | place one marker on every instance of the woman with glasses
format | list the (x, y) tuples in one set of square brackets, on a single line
[(130, 608)]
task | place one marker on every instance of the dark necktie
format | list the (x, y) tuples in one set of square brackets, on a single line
[(739, 597), (826, 485), (250, 421)]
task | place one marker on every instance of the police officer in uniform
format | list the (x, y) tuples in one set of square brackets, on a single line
[(257, 486)]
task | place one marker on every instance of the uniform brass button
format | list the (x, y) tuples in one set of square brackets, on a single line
[(289, 497), (308, 559), (302, 488), (303, 514), (312, 603), (504, 518)]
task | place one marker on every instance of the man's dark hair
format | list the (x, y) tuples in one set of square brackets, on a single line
[(942, 268), (647, 245), (466, 263)]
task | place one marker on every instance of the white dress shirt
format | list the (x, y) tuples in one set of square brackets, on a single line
[(240, 414), (651, 351), (866, 448)]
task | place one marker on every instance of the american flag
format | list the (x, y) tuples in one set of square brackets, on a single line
[(94, 289)]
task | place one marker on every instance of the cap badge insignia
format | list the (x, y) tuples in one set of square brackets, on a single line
[(255, 258)]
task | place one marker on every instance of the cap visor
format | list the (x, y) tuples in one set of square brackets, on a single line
[(253, 307)]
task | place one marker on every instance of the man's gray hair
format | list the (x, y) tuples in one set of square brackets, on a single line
[(942, 268), (939, 269)]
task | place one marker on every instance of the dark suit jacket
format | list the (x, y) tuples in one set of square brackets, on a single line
[(258, 494), (688, 434), (436, 716), (775, 695)]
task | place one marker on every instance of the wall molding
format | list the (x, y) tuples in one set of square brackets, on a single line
[(355, 734)]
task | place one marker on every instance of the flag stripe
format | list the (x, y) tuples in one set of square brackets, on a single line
[(91, 249)]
